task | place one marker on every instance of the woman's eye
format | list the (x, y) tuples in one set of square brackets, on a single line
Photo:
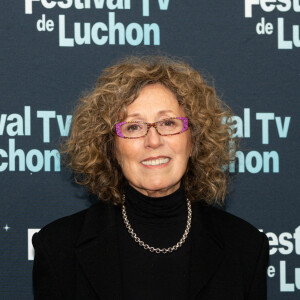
[(133, 127), (168, 123)]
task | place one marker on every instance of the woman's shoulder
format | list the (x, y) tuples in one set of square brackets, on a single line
[(66, 230), (230, 227)]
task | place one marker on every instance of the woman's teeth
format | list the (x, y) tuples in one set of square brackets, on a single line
[(155, 162)]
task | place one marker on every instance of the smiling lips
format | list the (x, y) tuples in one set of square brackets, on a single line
[(156, 161)]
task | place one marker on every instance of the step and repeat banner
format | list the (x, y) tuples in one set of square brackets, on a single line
[(52, 51)]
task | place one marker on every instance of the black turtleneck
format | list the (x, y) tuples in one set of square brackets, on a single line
[(159, 222)]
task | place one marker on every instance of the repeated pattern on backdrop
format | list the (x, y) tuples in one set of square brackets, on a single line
[(51, 51)]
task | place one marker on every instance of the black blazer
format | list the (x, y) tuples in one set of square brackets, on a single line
[(76, 257)]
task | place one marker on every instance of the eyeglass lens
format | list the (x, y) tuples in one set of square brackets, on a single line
[(164, 127)]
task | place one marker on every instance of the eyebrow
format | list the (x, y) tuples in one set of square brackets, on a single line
[(161, 112)]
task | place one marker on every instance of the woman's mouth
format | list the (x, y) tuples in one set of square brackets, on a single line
[(156, 162)]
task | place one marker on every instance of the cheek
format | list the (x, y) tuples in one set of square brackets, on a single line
[(182, 147), (121, 151), (126, 152)]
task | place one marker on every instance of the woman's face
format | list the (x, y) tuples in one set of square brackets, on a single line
[(154, 103)]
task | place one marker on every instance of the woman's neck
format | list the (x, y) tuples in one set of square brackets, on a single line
[(166, 209)]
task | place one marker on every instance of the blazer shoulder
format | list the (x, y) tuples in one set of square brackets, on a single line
[(233, 228), (65, 230), (232, 221)]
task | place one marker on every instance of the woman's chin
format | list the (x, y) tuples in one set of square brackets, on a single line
[(159, 189)]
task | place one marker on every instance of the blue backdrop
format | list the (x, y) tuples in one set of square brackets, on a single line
[(51, 51)]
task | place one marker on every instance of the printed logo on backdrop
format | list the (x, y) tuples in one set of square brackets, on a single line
[(288, 37), (35, 160), (259, 161), (107, 30), (284, 244)]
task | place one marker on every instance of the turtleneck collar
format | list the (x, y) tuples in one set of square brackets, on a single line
[(167, 209)]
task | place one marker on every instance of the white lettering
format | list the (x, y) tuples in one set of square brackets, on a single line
[(296, 36), (95, 36), (248, 7), (268, 8), (112, 30), (2, 123), (111, 5), (30, 233), (49, 4), (17, 124), (297, 240), (282, 129), (247, 122), (284, 241), (156, 34), (64, 128), (265, 118), (99, 3), (282, 44), (163, 4), (13, 153), (284, 286), (86, 38), (28, 6), (271, 271), (66, 4), (134, 34), (285, 6), (131, 28), (3, 165), (145, 8), (46, 116), (296, 5), (63, 41)]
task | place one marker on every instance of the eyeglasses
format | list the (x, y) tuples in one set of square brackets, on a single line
[(137, 129)]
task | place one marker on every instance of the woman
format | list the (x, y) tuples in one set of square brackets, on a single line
[(151, 142)]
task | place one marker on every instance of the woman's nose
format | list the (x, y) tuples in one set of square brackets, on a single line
[(153, 139)]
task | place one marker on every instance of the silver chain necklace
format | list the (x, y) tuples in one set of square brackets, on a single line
[(153, 249)]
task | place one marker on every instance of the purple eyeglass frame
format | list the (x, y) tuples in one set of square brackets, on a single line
[(119, 132)]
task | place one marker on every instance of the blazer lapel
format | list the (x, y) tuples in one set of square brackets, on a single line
[(207, 250), (97, 251)]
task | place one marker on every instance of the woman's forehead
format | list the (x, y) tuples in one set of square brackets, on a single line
[(159, 113), (154, 99)]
